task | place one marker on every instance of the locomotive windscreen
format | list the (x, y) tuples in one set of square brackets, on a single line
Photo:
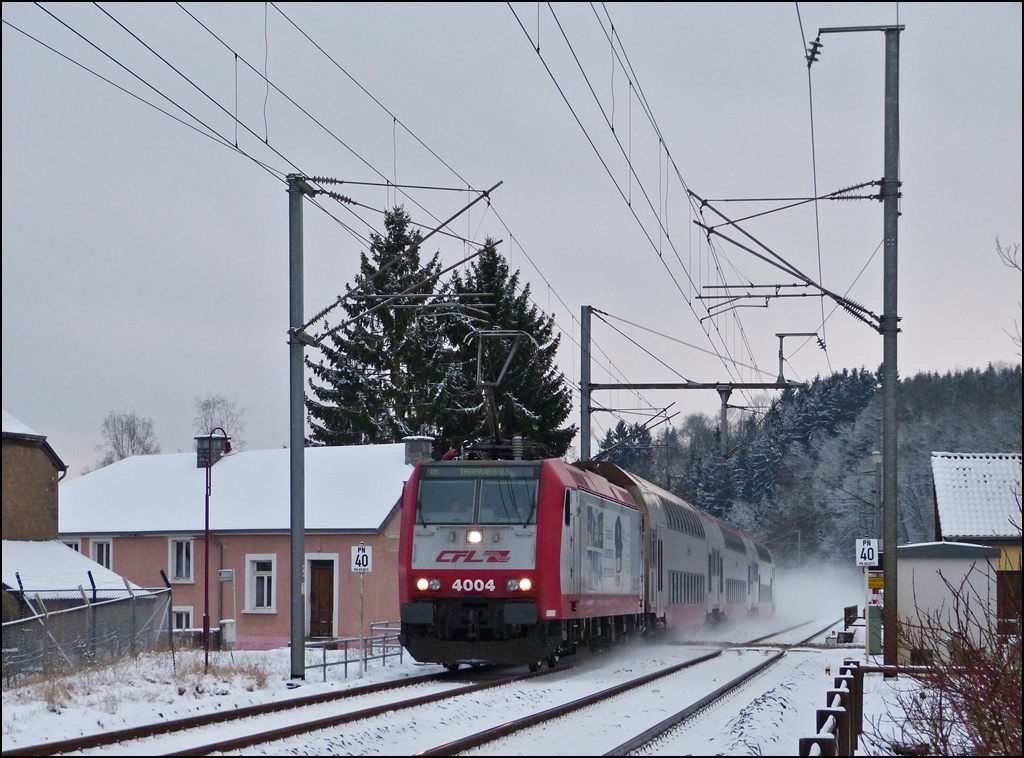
[(481, 494)]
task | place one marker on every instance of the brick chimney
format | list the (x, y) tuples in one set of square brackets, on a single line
[(220, 447), (417, 449)]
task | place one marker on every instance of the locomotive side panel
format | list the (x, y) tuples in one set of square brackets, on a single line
[(611, 557)]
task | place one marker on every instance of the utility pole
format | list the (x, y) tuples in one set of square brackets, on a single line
[(297, 187), (890, 327), (890, 323), (585, 382)]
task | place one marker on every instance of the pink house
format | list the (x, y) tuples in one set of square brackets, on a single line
[(143, 517)]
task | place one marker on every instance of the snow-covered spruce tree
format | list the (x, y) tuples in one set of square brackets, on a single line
[(533, 400), (632, 447), (375, 381)]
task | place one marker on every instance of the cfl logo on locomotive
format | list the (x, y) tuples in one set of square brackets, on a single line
[(469, 556)]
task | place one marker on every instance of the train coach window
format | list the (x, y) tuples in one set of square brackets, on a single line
[(446, 501), (508, 501)]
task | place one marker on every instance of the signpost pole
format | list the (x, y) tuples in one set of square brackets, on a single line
[(866, 553), (362, 563), (362, 637), (867, 616)]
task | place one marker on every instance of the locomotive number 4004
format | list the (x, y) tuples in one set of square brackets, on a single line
[(473, 585)]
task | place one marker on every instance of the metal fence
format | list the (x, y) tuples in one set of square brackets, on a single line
[(58, 638), (841, 722), (354, 651)]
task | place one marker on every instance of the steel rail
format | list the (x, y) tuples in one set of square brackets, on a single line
[(743, 644), (489, 735), (657, 730), (660, 728), (58, 747), (271, 735), (783, 631)]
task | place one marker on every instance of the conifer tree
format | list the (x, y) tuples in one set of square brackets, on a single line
[(632, 447), (375, 380), (533, 400)]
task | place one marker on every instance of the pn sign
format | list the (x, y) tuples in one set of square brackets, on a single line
[(867, 552), (362, 559)]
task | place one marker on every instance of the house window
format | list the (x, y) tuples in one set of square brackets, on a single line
[(74, 545), (182, 615), (181, 560), (102, 552), (260, 583)]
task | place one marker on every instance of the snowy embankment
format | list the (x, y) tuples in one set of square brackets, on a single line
[(149, 689)]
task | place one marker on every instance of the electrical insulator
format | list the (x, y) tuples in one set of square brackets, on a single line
[(813, 51)]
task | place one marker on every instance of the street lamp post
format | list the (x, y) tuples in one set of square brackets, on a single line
[(206, 544)]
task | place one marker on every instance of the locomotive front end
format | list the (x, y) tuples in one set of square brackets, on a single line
[(468, 557)]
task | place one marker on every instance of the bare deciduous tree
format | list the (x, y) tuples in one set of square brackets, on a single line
[(1010, 256), (217, 410), (124, 434)]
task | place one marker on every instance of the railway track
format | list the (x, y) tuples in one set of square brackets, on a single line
[(303, 715), (127, 737), (522, 725)]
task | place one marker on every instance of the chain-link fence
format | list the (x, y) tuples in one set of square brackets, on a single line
[(58, 638)]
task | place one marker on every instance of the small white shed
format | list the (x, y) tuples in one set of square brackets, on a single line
[(945, 589)]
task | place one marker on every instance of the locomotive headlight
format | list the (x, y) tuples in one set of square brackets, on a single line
[(525, 584), (435, 584), (511, 585), (422, 584), (474, 536)]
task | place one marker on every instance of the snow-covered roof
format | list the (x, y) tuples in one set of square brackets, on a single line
[(978, 494), (13, 426), (347, 488), (946, 550), (19, 433), (44, 567)]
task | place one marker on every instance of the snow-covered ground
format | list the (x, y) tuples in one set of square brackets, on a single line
[(767, 716)]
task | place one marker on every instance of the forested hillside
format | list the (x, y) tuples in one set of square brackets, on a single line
[(802, 477)]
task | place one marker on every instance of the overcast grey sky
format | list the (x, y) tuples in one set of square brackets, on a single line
[(145, 264)]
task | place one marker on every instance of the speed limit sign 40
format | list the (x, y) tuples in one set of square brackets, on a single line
[(362, 559), (867, 552)]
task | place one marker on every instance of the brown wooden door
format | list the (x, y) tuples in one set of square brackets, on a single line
[(321, 598)]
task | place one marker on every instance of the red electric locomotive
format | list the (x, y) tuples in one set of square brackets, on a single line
[(522, 561)]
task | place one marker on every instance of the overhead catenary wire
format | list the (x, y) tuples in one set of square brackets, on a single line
[(211, 135), (618, 187), (165, 96), (845, 294), (673, 339), (277, 173), (639, 346), (399, 122), (396, 120), (309, 115), (814, 172), (662, 213)]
